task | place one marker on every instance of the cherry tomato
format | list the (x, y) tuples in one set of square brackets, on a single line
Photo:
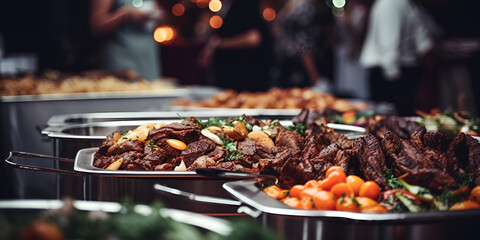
[(324, 200), (465, 205), (334, 169), (340, 189), (291, 201), (347, 204), (475, 194), (296, 190), (306, 203), (375, 209), (365, 203), (370, 189), (327, 183), (275, 192), (355, 182), (312, 183), (308, 192)]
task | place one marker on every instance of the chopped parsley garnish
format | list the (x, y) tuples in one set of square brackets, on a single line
[(213, 122), (465, 179), (152, 145), (273, 124), (231, 148), (392, 180), (124, 132), (300, 128)]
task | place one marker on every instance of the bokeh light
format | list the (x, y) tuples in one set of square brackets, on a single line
[(216, 22), (215, 5), (164, 34), (202, 3), (178, 9), (269, 14), (339, 3)]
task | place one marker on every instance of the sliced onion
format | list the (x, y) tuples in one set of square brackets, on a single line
[(181, 167), (212, 136)]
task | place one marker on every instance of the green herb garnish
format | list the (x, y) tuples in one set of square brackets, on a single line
[(300, 128), (392, 180)]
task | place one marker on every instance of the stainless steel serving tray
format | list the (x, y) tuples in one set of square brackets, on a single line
[(84, 164), (248, 193), (212, 224)]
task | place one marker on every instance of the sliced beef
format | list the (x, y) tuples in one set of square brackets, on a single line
[(467, 150), (434, 148), (372, 159), (324, 160), (201, 162), (127, 146), (253, 121), (195, 150), (164, 167), (309, 117), (289, 139), (433, 179), (400, 154), (157, 156), (217, 154), (273, 165), (401, 126), (187, 131), (225, 165), (253, 151), (295, 171), (345, 160)]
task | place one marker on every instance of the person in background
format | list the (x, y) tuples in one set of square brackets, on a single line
[(396, 44), (351, 78), (239, 52), (127, 26), (302, 36)]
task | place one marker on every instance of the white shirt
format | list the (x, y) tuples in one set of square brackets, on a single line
[(396, 36)]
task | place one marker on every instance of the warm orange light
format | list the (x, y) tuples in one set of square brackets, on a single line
[(178, 9), (203, 3), (216, 22), (164, 34), (215, 5), (269, 14)]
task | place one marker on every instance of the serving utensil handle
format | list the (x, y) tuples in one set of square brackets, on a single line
[(195, 197), (10, 161)]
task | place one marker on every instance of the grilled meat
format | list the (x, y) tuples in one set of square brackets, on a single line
[(372, 159)]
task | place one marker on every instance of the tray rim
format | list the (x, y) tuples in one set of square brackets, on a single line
[(246, 192)]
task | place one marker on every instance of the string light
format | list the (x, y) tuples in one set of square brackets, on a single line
[(216, 22), (215, 5), (178, 9), (269, 14), (164, 34)]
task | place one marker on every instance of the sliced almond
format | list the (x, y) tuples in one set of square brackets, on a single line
[(115, 165), (262, 138)]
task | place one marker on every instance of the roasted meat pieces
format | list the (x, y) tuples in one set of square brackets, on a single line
[(372, 159), (431, 159)]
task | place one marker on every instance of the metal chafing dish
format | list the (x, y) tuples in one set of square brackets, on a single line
[(22, 117), (313, 224), (91, 183), (211, 224)]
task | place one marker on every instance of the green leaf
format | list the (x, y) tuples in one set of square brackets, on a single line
[(300, 128)]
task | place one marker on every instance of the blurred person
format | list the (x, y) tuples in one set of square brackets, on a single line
[(397, 42), (239, 52), (302, 36), (127, 31), (351, 78)]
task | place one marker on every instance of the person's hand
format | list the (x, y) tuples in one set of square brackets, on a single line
[(322, 85), (136, 16), (205, 58)]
